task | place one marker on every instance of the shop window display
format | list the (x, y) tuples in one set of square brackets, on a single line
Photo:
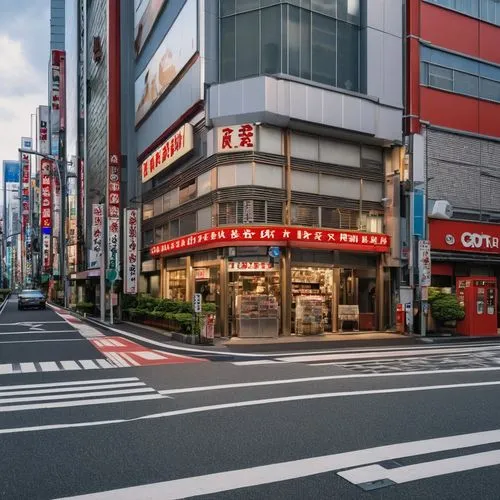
[(177, 284), (255, 301)]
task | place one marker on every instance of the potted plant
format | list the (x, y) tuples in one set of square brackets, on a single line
[(446, 311)]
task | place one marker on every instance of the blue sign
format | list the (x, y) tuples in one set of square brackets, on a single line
[(46, 230), (11, 171), (274, 252), (418, 213)]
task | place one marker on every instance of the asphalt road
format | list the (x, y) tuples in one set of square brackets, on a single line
[(386, 424)]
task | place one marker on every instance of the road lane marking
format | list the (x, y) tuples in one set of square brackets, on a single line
[(49, 366), (77, 395), (27, 367), (29, 322), (127, 358), (26, 332), (414, 472), (6, 369), (70, 365), (88, 364), (103, 363), (39, 340), (64, 384), (80, 402), (118, 360), (58, 390), (323, 378), (284, 471), (256, 362)]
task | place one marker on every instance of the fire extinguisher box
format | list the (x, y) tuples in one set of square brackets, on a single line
[(478, 296)]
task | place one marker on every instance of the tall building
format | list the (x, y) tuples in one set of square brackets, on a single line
[(453, 133), (57, 21), (269, 148)]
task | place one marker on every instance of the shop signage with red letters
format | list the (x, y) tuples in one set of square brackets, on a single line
[(305, 237), (46, 194), (463, 236), (236, 138)]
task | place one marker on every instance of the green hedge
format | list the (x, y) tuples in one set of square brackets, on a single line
[(176, 314), (85, 307)]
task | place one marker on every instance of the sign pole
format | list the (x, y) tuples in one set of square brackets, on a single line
[(111, 303)]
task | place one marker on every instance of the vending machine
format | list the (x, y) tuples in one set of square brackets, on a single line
[(478, 296)]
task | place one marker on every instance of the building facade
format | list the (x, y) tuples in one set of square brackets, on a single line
[(452, 106), (270, 164)]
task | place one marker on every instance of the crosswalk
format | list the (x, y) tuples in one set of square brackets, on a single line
[(74, 393), (394, 360), (55, 366)]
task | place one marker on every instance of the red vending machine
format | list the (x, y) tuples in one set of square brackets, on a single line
[(478, 295)]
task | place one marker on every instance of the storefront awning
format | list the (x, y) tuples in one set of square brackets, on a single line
[(465, 257)]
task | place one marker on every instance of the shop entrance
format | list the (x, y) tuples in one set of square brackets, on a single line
[(254, 299)]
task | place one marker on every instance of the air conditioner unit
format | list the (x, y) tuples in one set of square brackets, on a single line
[(441, 209)]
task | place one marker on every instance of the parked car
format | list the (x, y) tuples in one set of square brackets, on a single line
[(30, 298)]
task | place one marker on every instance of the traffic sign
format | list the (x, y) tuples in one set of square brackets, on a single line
[(197, 302), (111, 274)]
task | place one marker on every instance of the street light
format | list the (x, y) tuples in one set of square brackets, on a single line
[(59, 165)]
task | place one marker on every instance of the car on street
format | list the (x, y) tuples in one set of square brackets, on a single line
[(30, 299)]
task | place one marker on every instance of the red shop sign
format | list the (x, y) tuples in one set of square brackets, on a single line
[(304, 237), (462, 236)]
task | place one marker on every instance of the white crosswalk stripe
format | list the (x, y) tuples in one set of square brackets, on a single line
[(75, 393), (65, 365)]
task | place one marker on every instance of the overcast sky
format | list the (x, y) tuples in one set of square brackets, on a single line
[(24, 56)]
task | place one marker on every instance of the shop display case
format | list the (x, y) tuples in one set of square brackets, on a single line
[(309, 315), (257, 315)]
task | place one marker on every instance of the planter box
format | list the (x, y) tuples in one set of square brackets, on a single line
[(185, 339)]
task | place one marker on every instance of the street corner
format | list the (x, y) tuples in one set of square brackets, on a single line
[(125, 353)]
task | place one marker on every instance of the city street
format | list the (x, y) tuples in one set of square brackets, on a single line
[(399, 423)]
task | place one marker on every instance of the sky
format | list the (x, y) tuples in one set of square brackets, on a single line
[(24, 57)]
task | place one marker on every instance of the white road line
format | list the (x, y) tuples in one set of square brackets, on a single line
[(64, 384), (80, 402), (367, 356), (42, 322), (87, 331), (88, 364), (58, 390), (70, 365), (256, 362), (6, 368), (98, 343), (27, 367), (49, 366), (78, 395), (128, 358), (284, 471), (422, 470), (104, 363), (39, 340), (37, 331), (322, 378), (117, 359), (115, 343)]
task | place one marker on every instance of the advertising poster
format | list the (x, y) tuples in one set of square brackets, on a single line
[(145, 16), (175, 51), (131, 250), (114, 212)]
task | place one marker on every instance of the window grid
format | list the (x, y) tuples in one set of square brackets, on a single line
[(485, 10), (483, 88)]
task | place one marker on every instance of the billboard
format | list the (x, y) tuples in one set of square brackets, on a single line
[(174, 52), (145, 15), (10, 171)]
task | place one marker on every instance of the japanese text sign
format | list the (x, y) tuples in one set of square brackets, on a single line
[(236, 138), (131, 267), (176, 146), (327, 239), (97, 228), (46, 194)]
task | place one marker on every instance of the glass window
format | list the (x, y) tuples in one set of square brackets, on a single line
[(247, 44), (326, 7), (173, 229), (187, 224), (304, 215), (305, 44), (347, 62), (204, 218), (158, 234), (227, 7), (205, 183), (227, 49), (441, 78), (424, 73), (324, 50), (158, 205), (463, 83), (171, 199), (148, 238), (490, 11), (293, 41), (271, 40), (187, 191), (147, 211), (490, 90), (348, 10)]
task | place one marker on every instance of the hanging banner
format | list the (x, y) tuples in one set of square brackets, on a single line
[(424, 262), (97, 231), (131, 250), (113, 212), (46, 197), (46, 252)]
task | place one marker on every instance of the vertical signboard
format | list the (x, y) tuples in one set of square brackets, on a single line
[(55, 101), (113, 212), (424, 262), (131, 250), (97, 232)]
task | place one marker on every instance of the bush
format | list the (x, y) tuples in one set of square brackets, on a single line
[(208, 308), (445, 307), (129, 301), (185, 321)]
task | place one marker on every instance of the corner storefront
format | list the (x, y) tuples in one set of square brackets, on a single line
[(269, 281), (464, 249)]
